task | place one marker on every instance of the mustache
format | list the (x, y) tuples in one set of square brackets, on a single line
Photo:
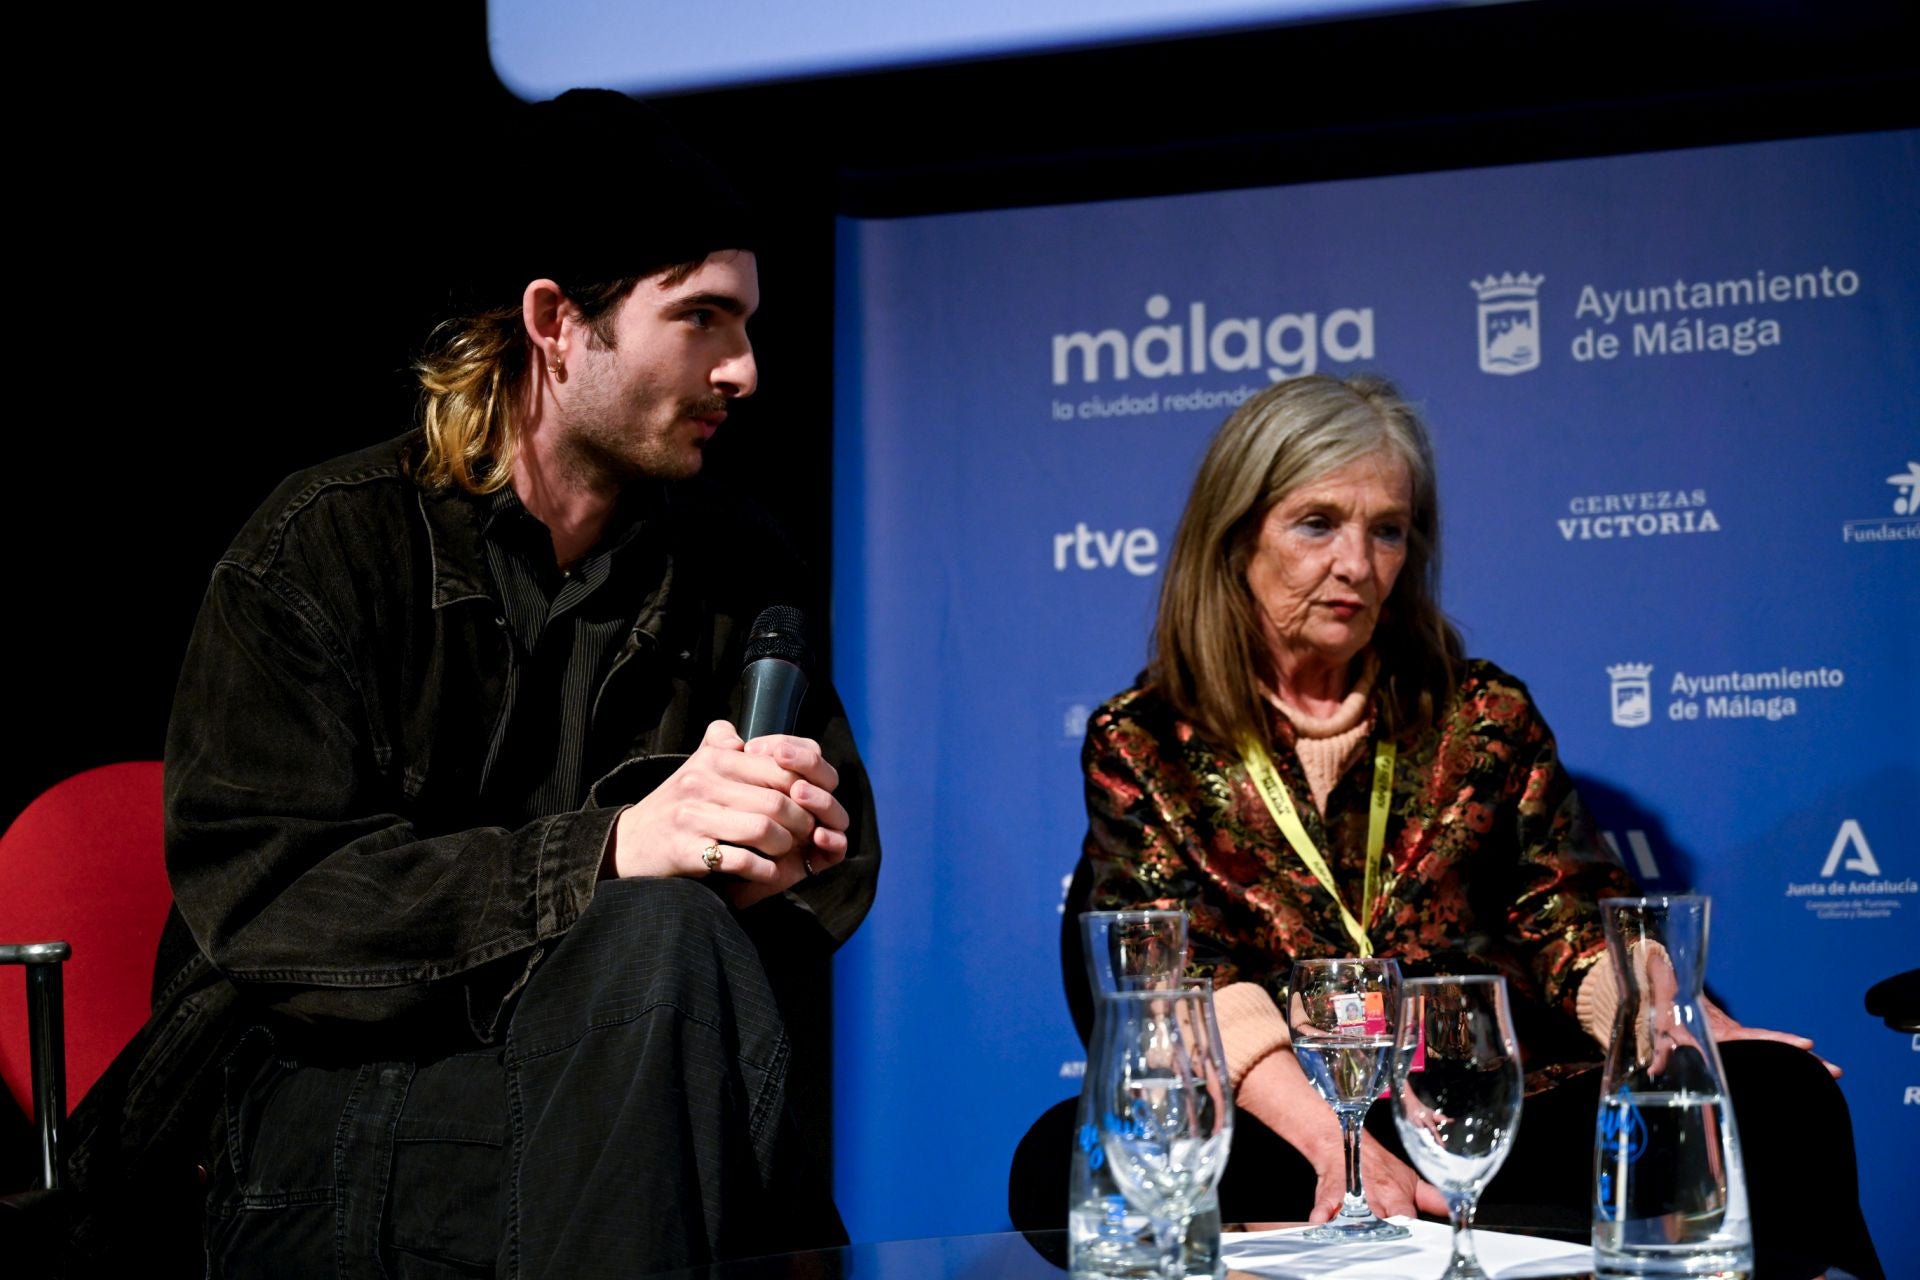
[(704, 405)]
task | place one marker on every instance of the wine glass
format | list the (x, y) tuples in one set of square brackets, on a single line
[(1203, 1232), (1342, 1014), (1457, 1089), (1165, 1107)]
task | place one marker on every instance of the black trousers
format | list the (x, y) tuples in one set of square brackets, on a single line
[(1796, 1140), (634, 1118)]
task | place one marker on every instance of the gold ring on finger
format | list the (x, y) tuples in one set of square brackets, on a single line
[(711, 856)]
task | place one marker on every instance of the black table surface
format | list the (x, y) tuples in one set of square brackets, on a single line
[(1012, 1255)]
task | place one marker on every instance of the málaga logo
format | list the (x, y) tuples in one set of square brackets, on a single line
[(1631, 693), (1287, 345), (1509, 322)]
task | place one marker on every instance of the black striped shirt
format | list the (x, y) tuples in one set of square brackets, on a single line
[(565, 629)]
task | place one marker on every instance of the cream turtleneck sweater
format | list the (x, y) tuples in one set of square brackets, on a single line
[(1328, 745)]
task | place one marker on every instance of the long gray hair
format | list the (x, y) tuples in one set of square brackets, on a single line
[(1209, 659)]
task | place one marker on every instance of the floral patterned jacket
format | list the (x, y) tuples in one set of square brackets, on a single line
[(1491, 863)]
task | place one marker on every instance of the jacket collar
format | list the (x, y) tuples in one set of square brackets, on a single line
[(454, 521), (456, 524)]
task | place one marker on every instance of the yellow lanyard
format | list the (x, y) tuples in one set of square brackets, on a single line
[(1266, 780)]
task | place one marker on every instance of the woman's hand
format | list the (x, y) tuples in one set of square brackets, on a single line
[(1391, 1186), (1724, 1028), (1276, 1092)]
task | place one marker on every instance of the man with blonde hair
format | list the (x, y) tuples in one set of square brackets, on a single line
[(475, 865)]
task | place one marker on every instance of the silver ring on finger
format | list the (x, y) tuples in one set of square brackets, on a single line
[(805, 865), (711, 855)]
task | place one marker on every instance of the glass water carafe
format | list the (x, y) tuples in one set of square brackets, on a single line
[(1107, 1239), (1669, 1196)]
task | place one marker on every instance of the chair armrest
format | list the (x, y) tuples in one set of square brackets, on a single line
[(35, 952), (46, 1036)]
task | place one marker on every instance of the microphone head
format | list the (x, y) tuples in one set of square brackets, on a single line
[(780, 632)]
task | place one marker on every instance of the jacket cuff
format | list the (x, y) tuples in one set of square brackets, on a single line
[(1251, 1027), (569, 866), (1597, 1000)]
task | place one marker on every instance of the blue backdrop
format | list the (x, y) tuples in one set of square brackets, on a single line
[(1674, 400)]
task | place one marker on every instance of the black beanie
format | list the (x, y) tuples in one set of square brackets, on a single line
[(629, 196)]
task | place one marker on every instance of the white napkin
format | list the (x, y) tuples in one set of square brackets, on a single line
[(1422, 1256)]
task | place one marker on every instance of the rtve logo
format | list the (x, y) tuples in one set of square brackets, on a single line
[(1137, 550)]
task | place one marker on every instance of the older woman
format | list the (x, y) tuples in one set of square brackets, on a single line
[(1301, 661)]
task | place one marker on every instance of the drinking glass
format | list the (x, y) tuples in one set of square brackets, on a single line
[(1457, 1088), (1203, 1232), (1165, 1107), (1342, 1014)]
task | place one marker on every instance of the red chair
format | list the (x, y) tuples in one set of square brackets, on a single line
[(83, 864)]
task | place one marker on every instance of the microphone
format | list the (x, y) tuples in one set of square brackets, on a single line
[(775, 673)]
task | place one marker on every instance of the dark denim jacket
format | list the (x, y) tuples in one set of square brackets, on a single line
[(325, 837)]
